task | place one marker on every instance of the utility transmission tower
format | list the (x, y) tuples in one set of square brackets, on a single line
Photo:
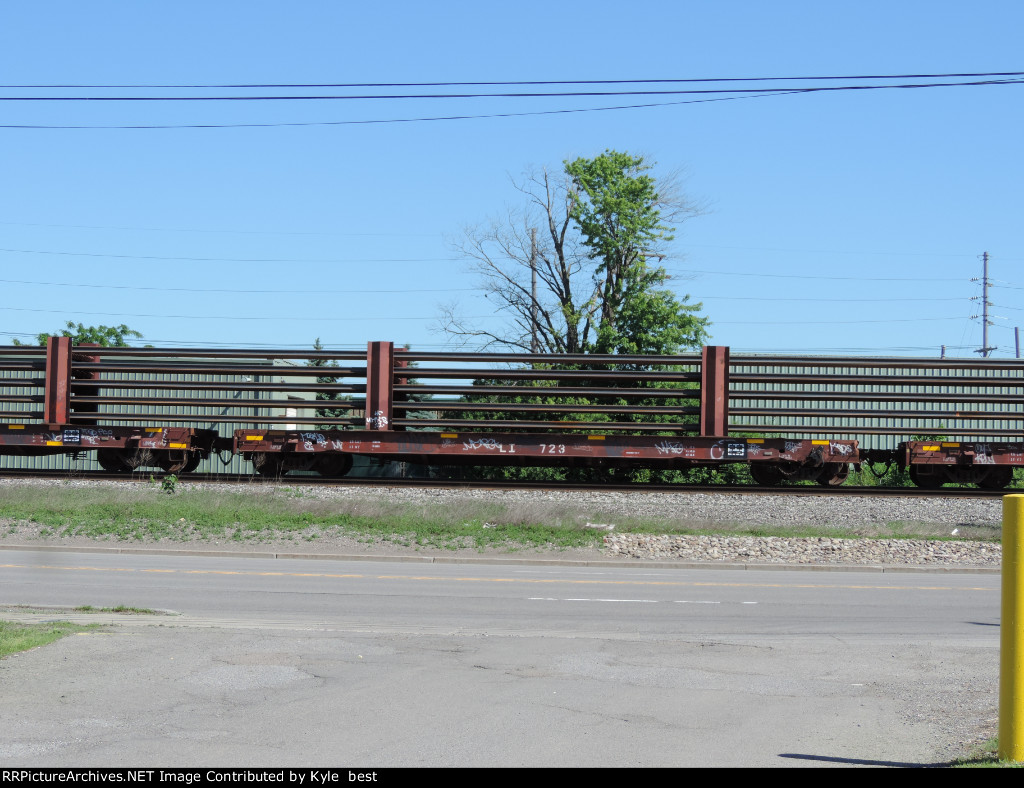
[(985, 304)]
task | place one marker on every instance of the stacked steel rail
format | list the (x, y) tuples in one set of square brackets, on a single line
[(946, 420), (785, 416)]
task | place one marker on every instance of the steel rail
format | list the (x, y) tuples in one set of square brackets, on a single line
[(856, 396), (91, 418), (874, 362), (425, 373), (832, 379), (852, 430), (126, 383), (969, 415), (592, 426), (551, 391), (587, 359), (220, 369), (307, 404), (225, 353), (540, 407)]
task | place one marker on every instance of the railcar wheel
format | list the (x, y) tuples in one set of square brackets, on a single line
[(112, 461), (185, 464), (833, 474), (766, 473), (266, 465), (996, 478), (928, 481), (334, 465), (194, 458)]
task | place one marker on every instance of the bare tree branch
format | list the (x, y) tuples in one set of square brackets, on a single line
[(579, 292)]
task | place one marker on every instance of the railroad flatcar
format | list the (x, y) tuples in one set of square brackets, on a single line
[(786, 418)]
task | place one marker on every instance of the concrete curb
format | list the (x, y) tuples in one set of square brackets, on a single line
[(511, 561)]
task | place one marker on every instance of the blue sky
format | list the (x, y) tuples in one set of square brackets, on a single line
[(846, 221)]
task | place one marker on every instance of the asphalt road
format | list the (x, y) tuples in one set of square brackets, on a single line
[(374, 664)]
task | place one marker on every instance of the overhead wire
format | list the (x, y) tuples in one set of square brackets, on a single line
[(716, 94), (550, 94), (349, 291), (275, 291), (522, 82)]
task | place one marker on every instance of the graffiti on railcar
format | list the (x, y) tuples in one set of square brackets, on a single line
[(488, 444)]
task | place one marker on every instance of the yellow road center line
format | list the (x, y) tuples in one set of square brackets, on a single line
[(518, 580)]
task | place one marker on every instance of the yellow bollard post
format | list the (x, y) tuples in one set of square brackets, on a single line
[(1011, 636)]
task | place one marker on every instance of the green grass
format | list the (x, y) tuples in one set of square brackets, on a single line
[(259, 514), (986, 756), (16, 637), (118, 609)]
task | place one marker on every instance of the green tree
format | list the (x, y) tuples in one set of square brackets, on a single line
[(620, 221), (104, 336), (587, 235), (328, 396)]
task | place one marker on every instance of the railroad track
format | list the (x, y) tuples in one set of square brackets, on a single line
[(807, 490)]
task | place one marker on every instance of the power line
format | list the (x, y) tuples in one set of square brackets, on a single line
[(814, 300), (559, 94), (274, 291), (548, 94), (520, 82), (237, 259), (813, 276), (435, 260), (289, 124), (276, 318), (747, 94), (388, 234), (802, 322), (290, 318)]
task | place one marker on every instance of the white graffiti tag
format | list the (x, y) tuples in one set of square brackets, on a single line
[(378, 421), (93, 435), (311, 438), (488, 444)]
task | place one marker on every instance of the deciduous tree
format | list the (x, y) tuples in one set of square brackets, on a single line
[(587, 236), (104, 336)]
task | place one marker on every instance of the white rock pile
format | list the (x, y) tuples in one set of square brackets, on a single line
[(816, 550)]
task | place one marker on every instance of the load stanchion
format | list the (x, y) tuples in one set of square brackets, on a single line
[(1011, 637)]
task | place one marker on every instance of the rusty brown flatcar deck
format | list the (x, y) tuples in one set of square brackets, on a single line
[(524, 448)]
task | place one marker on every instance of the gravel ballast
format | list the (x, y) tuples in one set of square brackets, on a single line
[(942, 517)]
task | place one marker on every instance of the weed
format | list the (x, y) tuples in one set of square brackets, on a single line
[(985, 756), (117, 609)]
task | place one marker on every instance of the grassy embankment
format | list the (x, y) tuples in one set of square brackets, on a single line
[(147, 513)]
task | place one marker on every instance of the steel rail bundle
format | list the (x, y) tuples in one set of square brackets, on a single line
[(787, 417)]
